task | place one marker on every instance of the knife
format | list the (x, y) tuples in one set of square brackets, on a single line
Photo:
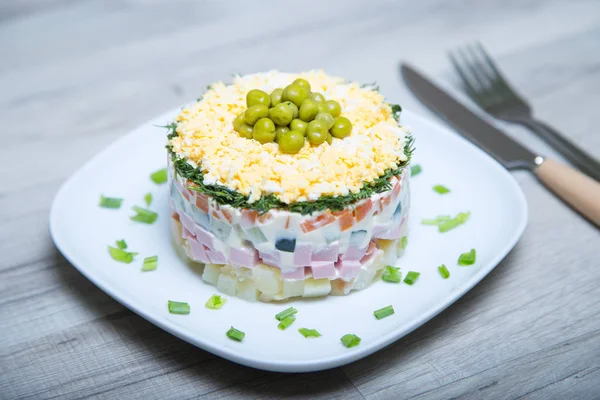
[(576, 189)]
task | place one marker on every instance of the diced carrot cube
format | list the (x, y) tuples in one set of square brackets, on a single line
[(202, 202), (263, 218), (249, 217), (226, 214), (323, 219), (363, 210), (345, 218)]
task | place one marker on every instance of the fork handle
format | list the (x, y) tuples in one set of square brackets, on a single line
[(579, 158), (576, 189)]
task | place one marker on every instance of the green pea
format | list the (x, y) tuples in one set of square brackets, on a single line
[(245, 131), (238, 122), (279, 131), (333, 108), (264, 131), (299, 126), (329, 138), (327, 119), (281, 114), (308, 110), (341, 128), (316, 132), (318, 97), (291, 142), (293, 107), (295, 94), (323, 107), (276, 97), (257, 97), (302, 82), (255, 112)]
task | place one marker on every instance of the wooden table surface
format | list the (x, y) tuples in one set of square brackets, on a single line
[(76, 75)]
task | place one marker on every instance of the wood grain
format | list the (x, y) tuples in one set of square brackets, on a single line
[(75, 75)]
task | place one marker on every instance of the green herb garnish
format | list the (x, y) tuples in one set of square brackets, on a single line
[(467, 258), (391, 274), (110, 202), (159, 176), (415, 170), (143, 215), (150, 263), (441, 189), (122, 244), (309, 332), (384, 312), (225, 196), (179, 307), (121, 255), (285, 313), (411, 277), (350, 340), (446, 223), (404, 242), (215, 302), (444, 271), (286, 322), (234, 334), (148, 198)]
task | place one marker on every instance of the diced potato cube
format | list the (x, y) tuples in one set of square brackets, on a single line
[(227, 284), (211, 273), (293, 287), (246, 290), (389, 247), (340, 287), (364, 278), (267, 279), (266, 298), (316, 287)]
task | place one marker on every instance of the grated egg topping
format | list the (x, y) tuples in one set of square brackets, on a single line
[(206, 138)]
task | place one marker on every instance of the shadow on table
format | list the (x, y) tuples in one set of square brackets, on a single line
[(205, 373)]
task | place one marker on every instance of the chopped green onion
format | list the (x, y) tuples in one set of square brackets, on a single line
[(415, 170), (159, 176), (411, 277), (384, 312), (110, 202), (150, 263), (445, 222), (143, 215), (179, 307), (121, 255), (122, 244), (309, 332), (286, 322), (215, 302), (286, 313), (148, 198), (234, 334), (391, 274), (441, 189), (404, 242), (467, 258), (444, 271), (350, 340)]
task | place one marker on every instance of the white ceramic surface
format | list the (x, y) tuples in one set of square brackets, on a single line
[(82, 230)]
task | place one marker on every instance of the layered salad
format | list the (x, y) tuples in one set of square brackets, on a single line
[(289, 185)]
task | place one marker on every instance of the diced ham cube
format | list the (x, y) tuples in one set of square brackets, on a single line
[(302, 254), (329, 253), (322, 269), (243, 256), (378, 230), (216, 257), (348, 269), (353, 253), (187, 234), (198, 252), (187, 222), (297, 273), (205, 237)]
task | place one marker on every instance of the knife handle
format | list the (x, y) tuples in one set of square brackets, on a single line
[(578, 190)]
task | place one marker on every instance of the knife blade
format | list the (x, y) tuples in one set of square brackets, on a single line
[(504, 149)]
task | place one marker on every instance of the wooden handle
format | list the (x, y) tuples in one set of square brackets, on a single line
[(576, 189)]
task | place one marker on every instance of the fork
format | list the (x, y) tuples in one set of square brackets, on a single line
[(486, 86)]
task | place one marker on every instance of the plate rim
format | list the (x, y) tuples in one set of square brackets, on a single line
[(333, 361)]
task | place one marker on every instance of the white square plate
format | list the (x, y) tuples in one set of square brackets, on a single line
[(82, 230)]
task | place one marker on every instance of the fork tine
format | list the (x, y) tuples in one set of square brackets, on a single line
[(476, 69), (471, 89), (491, 65)]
